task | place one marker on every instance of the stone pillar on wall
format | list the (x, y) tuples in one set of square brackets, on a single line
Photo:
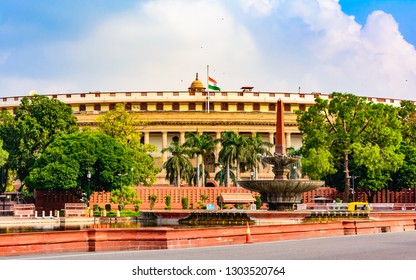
[(182, 137), (271, 140), (217, 150), (146, 136), (288, 140), (164, 145)]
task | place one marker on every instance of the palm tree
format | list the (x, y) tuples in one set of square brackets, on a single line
[(235, 148), (258, 149), (178, 166), (200, 145)]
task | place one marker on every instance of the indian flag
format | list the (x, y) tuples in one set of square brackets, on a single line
[(212, 84)]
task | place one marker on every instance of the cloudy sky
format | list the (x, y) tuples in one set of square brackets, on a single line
[(361, 47)]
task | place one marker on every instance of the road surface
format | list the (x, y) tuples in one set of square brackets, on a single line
[(383, 246)]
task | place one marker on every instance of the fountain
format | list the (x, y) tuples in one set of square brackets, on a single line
[(281, 193)]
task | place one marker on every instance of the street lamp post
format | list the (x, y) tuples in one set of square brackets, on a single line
[(89, 189), (352, 177), (120, 206)]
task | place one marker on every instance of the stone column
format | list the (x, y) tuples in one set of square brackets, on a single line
[(182, 137), (271, 140), (280, 140), (164, 145), (146, 136), (288, 140)]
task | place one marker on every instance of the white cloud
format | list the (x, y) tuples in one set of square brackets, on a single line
[(275, 45)]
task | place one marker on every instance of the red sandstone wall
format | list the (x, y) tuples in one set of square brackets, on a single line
[(49, 200), (95, 240)]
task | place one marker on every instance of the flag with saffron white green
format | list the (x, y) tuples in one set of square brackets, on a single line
[(212, 84)]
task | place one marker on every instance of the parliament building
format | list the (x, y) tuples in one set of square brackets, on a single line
[(171, 114)]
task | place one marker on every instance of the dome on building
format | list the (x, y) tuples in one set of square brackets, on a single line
[(197, 85)]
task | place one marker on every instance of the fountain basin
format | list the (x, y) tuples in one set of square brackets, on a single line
[(281, 194)]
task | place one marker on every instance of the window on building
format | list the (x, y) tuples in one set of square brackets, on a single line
[(143, 93), (256, 107), (16, 98), (82, 108), (112, 106), (272, 107), (143, 106), (97, 94), (97, 107), (240, 106), (175, 93), (127, 107), (287, 107), (159, 106), (175, 106), (224, 106), (112, 94), (191, 106), (224, 93), (160, 93), (302, 107), (82, 95), (54, 96), (272, 95), (301, 95), (68, 96), (128, 93), (287, 95), (256, 94)]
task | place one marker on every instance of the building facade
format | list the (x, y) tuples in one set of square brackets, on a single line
[(171, 115)]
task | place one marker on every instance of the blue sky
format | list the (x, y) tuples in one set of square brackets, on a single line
[(356, 46)]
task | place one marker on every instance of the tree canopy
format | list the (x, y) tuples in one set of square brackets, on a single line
[(65, 163), (347, 135), (26, 134)]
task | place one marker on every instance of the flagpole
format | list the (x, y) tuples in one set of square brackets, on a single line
[(208, 89)]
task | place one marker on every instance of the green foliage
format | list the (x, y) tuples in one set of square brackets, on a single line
[(36, 123), (178, 166), (121, 125), (168, 202), (126, 196), (258, 202), (65, 163), (185, 203), (152, 199), (200, 145), (349, 135)]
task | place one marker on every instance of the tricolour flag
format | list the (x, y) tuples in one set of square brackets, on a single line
[(212, 84)]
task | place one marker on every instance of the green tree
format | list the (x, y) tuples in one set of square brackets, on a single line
[(200, 145), (405, 177), (357, 133), (126, 128), (257, 148), (178, 166), (235, 148), (144, 166), (126, 196), (36, 123), (66, 161), (123, 126)]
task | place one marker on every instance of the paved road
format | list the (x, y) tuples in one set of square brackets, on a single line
[(383, 246)]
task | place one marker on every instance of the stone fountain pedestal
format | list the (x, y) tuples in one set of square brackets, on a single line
[(281, 193)]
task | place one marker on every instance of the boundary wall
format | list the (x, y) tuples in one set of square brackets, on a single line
[(52, 200), (116, 239)]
